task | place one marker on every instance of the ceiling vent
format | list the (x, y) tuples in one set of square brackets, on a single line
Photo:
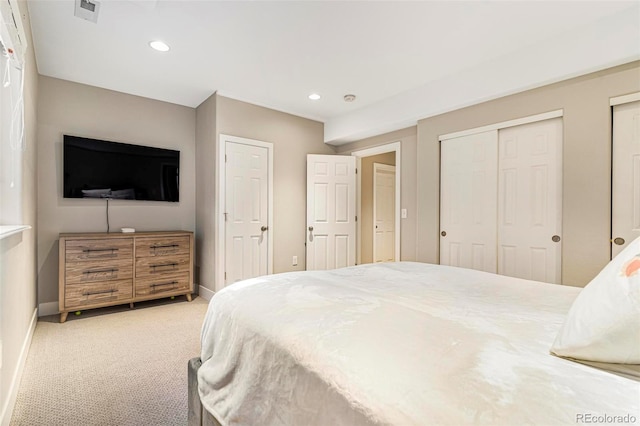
[(88, 10)]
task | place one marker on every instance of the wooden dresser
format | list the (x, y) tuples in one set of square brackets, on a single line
[(105, 269)]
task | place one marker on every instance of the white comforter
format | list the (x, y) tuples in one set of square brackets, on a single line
[(400, 344)]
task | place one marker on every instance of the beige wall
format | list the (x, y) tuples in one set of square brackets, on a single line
[(366, 200), (586, 162), (408, 140), (293, 138), (18, 252), (205, 192), (77, 109)]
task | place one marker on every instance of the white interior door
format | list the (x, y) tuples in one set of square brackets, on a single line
[(625, 217), (468, 201), (331, 211), (384, 212), (530, 201), (246, 211)]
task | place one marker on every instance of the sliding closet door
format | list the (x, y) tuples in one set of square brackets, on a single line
[(468, 201), (625, 217), (530, 201)]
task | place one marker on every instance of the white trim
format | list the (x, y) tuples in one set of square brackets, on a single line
[(205, 293), (8, 230), (382, 149), (376, 167), (12, 394), (358, 210), (48, 308), (503, 125), (220, 203), (625, 99)]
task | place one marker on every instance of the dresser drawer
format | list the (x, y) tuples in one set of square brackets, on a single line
[(98, 270), (164, 284), (165, 246), (107, 293), (156, 266), (98, 249)]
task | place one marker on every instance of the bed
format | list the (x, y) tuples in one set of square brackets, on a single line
[(395, 344)]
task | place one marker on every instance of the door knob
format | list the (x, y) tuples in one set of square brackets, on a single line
[(555, 238), (443, 233), (264, 228), (618, 241), (311, 228)]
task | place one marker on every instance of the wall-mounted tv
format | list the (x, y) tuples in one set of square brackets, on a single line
[(101, 169)]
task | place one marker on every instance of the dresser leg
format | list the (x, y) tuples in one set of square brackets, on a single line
[(188, 297), (63, 316), (131, 305)]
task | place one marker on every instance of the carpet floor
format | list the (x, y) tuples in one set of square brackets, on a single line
[(112, 366)]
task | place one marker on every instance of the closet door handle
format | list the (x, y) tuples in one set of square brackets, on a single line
[(443, 233), (555, 238), (618, 241), (311, 229), (264, 228)]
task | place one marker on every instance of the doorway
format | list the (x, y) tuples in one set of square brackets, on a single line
[(379, 244)]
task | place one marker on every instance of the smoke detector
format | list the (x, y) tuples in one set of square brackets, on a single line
[(349, 98), (87, 9)]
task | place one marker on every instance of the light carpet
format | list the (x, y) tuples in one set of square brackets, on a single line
[(112, 366)]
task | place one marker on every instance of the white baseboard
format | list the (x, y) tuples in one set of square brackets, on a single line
[(49, 308), (205, 293), (7, 410)]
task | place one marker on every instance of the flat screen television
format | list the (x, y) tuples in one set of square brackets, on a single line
[(102, 169)]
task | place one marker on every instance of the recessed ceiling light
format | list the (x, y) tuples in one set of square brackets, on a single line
[(160, 46), (314, 96)]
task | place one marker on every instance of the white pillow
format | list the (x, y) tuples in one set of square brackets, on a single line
[(603, 323)]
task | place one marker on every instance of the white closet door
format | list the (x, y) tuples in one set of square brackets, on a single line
[(625, 217), (530, 201), (468, 201)]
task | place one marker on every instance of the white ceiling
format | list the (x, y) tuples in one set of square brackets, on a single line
[(403, 60)]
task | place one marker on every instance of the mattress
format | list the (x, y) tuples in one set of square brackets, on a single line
[(397, 344)]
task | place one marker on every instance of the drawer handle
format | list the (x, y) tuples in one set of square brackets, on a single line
[(97, 271), (90, 293), (100, 253), (98, 250), (163, 284), (164, 265), (166, 246)]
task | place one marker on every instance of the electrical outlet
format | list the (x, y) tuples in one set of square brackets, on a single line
[(294, 262)]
